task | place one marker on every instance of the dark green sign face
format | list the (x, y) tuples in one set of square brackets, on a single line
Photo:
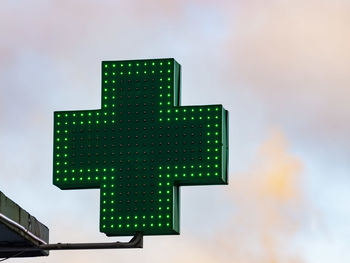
[(140, 147)]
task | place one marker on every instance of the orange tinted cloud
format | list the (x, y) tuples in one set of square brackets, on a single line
[(270, 206), (278, 172)]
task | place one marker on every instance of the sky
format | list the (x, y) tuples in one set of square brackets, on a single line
[(280, 67)]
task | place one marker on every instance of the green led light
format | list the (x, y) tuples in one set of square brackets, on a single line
[(140, 147)]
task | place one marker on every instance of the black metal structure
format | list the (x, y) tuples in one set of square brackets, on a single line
[(21, 234)]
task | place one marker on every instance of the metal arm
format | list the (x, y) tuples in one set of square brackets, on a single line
[(135, 242)]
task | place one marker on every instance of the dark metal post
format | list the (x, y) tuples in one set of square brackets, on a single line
[(135, 242)]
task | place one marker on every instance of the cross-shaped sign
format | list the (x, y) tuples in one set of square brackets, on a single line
[(140, 147)]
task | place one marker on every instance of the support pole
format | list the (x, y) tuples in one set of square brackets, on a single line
[(135, 242)]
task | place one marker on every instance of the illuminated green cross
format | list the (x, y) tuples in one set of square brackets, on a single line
[(140, 147)]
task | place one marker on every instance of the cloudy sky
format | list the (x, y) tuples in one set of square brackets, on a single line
[(281, 68)]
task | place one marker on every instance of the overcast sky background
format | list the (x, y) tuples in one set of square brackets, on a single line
[(281, 68)]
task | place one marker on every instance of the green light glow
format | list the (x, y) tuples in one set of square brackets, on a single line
[(140, 147)]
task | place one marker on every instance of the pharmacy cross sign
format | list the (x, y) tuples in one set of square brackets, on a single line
[(140, 147)]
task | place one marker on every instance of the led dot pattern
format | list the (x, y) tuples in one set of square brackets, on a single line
[(140, 147)]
